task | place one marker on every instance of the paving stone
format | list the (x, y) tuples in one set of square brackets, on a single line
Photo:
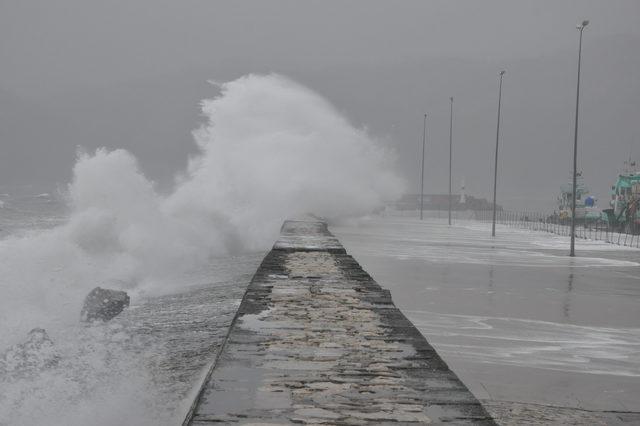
[(317, 341)]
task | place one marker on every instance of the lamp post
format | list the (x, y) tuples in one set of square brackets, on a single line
[(495, 171), (424, 138), (572, 252), (450, 153)]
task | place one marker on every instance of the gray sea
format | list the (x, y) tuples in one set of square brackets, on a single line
[(141, 368)]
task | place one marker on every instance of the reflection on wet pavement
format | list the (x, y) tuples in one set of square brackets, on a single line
[(514, 316)]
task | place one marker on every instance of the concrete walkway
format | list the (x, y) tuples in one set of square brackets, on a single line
[(317, 341)]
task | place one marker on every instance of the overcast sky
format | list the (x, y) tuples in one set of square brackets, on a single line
[(131, 73)]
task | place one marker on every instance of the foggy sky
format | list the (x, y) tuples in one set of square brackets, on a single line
[(131, 74)]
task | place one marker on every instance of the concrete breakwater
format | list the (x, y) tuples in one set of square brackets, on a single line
[(317, 341)]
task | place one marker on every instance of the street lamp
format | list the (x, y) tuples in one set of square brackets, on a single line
[(450, 153), (495, 171), (572, 253), (424, 138)]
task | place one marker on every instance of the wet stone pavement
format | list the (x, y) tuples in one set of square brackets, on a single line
[(317, 341), (508, 413)]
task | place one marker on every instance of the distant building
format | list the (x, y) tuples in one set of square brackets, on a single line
[(441, 202)]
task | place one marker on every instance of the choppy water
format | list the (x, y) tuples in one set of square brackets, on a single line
[(142, 367), (121, 232), (20, 213)]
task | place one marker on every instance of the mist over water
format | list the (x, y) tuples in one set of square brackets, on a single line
[(270, 149), (274, 149)]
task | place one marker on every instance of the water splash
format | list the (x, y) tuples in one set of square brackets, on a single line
[(270, 148)]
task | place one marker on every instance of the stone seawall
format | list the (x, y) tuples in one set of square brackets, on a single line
[(317, 341)]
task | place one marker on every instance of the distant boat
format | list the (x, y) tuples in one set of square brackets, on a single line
[(586, 208), (625, 199)]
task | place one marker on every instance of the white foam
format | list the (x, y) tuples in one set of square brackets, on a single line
[(270, 149)]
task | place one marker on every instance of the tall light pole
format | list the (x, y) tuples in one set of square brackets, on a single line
[(424, 138), (572, 253), (450, 153), (495, 171)]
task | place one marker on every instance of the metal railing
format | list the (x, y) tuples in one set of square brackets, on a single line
[(596, 230)]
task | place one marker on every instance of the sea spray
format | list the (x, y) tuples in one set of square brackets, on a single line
[(276, 149), (269, 149)]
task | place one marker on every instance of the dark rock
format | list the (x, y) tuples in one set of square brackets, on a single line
[(103, 304), (35, 354)]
